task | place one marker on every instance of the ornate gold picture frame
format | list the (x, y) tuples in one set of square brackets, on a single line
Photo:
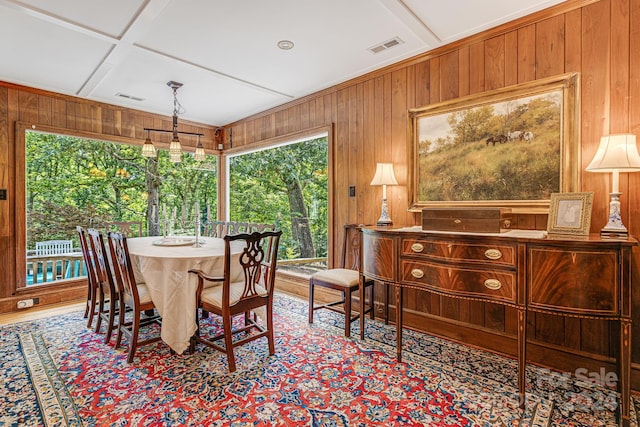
[(570, 213), (510, 147)]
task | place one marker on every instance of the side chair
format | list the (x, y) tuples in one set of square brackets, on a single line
[(132, 295), (344, 279), (106, 285), (93, 292), (254, 290)]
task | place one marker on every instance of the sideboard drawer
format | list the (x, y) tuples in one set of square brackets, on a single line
[(461, 281), (495, 254), (578, 281)]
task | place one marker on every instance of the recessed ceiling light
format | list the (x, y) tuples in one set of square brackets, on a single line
[(285, 44)]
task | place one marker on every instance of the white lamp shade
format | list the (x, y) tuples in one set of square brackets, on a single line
[(148, 149), (384, 175), (616, 152)]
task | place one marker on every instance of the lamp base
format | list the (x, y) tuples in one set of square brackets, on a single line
[(384, 216), (614, 228)]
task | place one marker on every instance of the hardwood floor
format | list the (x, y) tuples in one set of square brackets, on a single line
[(40, 312)]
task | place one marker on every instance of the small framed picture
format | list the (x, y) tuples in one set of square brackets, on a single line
[(570, 213)]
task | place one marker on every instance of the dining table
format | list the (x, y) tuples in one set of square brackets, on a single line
[(163, 264)]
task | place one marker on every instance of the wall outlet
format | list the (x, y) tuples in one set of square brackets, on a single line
[(3, 194), (26, 303), (352, 191)]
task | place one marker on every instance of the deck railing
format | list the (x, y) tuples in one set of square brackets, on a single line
[(51, 268)]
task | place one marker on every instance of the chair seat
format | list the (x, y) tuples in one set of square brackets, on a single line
[(213, 295), (340, 276), (143, 295)]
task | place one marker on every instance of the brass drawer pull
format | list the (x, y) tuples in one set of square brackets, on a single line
[(493, 284), (417, 247), (457, 221), (493, 254), (417, 273)]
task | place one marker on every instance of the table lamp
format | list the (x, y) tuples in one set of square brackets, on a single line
[(616, 153), (384, 176)]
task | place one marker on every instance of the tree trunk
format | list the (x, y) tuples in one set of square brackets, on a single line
[(153, 209), (300, 220)]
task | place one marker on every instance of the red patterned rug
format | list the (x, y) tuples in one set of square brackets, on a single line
[(57, 372)]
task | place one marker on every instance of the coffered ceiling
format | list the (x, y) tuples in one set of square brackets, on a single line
[(225, 52)]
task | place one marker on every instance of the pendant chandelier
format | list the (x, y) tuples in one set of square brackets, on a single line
[(175, 149)]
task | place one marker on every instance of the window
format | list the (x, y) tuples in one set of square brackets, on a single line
[(286, 185), (74, 181)]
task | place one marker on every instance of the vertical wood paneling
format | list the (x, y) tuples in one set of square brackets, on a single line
[(434, 80), (45, 114), (369, 210), (28, 107), (476, 68), (494, 51), (397, 194), (572, 41), (526, 53), (511, 58), (422, 83), (550, 47), (449, 88), (4, 164), (463, 71)]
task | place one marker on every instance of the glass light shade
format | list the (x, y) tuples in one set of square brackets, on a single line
[(199, 155), (175, 151), (148, 149), (384, 175)]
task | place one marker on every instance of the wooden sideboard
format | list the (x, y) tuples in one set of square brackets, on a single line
[(586, 277)]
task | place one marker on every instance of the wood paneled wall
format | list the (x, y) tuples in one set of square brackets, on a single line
[(21, 108), (598, 39)]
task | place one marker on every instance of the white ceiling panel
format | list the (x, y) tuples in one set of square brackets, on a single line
[(454, 19), (46, 56), (108, 17), (331, 40), (206, 98), (224, 51)]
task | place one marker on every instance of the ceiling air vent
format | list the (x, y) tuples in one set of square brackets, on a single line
[(131, 97), (385, 45)]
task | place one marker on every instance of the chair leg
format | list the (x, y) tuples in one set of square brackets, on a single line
[(92, 303), (100, 311), (311, 289), (272, 347), (228, 342), (86, 309), (112, 315), (347, 313), (135, 328), (121, 319)]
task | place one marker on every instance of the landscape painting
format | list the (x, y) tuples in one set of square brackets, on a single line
[(503, 148)]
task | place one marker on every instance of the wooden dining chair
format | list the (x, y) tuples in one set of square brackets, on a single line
[(106, 285), (257, 261), (93, 289), (132, 295), (345, 279)]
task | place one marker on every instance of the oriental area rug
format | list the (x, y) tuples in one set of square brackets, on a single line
[(56, 372)]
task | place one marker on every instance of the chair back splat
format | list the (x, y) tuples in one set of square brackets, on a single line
[(345, 280), (93, 297), (247, 286), (132, 295), (106, 284)]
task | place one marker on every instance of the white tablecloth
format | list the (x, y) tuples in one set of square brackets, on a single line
[(165, 270)]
